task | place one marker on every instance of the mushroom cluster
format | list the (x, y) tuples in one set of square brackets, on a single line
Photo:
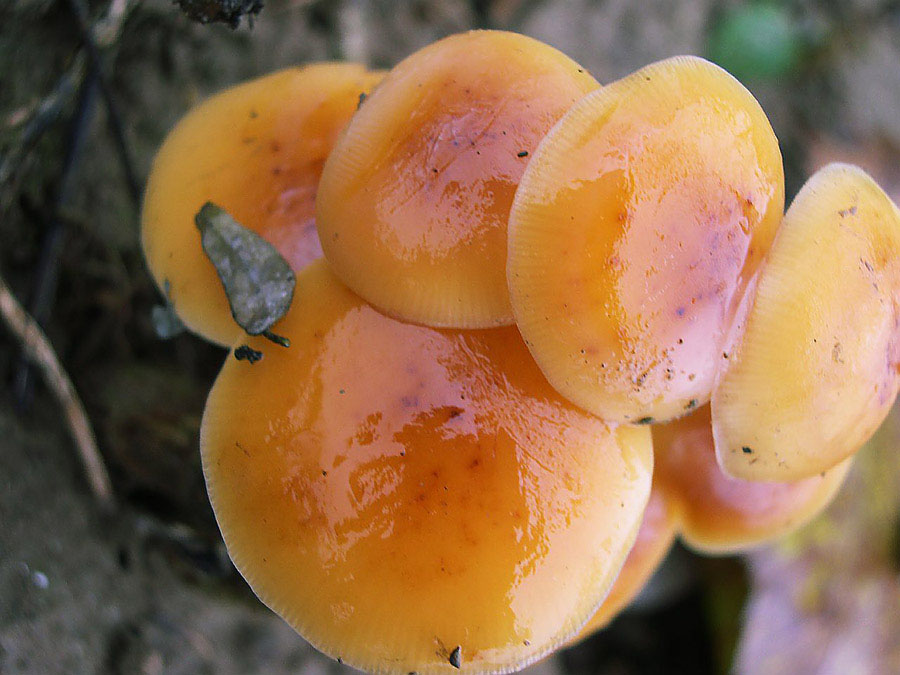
[(415, 484)]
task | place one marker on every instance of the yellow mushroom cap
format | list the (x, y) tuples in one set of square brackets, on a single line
[(414, 200), (654, 539), (395, 491), (637, 223), (816, 369), (256, 150), (718, 514)]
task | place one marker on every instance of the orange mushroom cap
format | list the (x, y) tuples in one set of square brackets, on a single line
[(817, 366), (395, 492), (711, 512), (716, 513), (654, 539), (414, 200), (636, 225), (256, 150)]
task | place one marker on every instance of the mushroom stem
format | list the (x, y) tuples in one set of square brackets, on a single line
[(40, 352)]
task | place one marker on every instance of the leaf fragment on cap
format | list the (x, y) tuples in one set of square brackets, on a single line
[(258, 281)]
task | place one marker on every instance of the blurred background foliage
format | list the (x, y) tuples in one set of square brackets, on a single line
[(149, 589)]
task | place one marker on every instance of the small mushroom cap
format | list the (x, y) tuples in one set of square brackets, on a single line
[(654, 539), (256, 150), (414, 200), (638, 221), (395, 491), (816, 370), (718, 514)]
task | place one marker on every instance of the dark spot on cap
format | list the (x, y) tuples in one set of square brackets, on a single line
[(746, 450), (456, 657), (645, 420), (522, 153), (247, 353)]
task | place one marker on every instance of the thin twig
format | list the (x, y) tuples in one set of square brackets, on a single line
[(46, 113), (43, 117), (113, 117), (47, 275), (46, 280), (39, 350), (106, 30)]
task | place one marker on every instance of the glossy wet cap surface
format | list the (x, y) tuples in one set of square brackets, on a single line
[(256, 150), (816, 369), (414, 200), (395, 491), (636, 226), (654, 539), (716, 513)]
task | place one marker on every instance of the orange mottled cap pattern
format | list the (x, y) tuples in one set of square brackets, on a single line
[(635, 228), (719, 514), (395, 491), (414, 200)]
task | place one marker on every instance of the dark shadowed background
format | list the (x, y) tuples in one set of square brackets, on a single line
[(148, 588)]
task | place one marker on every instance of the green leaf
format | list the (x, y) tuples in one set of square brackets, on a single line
[(258, 281), (757, 41)]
